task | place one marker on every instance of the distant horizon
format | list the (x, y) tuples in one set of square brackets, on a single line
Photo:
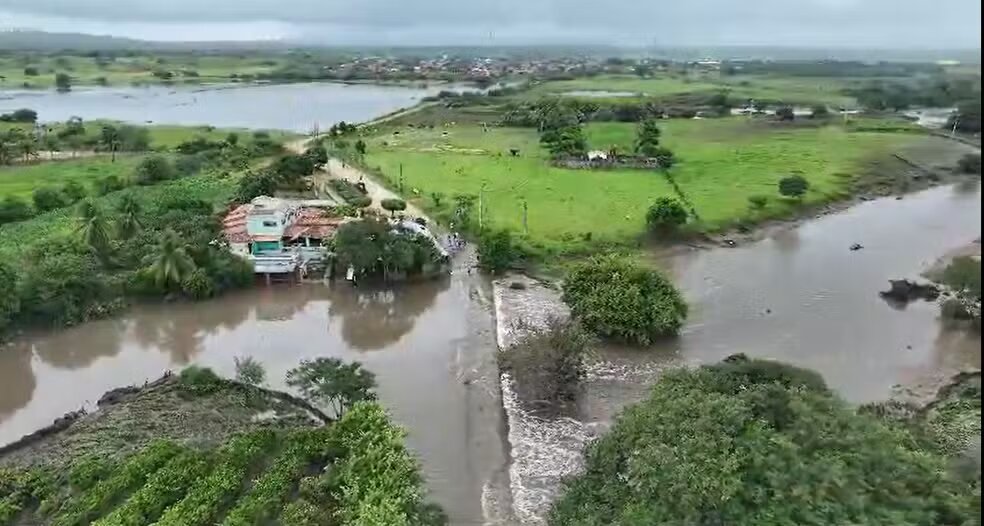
[(307, 42), (810, 24)]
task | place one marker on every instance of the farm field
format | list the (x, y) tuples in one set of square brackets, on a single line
[(21, 179), (288, 470), (721, 163), (792, 90)]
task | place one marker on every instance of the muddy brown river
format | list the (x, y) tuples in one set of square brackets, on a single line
[(799, 295)]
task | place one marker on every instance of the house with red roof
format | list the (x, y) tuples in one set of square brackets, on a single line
[(279, 235)]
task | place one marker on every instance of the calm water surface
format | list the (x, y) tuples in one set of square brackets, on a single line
[(297, 107)]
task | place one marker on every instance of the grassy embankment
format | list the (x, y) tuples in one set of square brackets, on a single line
[(139, 69), (721, 163)]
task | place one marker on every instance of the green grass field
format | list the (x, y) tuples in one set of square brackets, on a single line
[(792, 90), (564, 205), (169, 136), (721, 163), (22, 179), (128, 70), (162, 136)]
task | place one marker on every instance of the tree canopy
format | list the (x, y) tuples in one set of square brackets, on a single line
[(794, 186), (333, 383), (620, 299), (666, 215), (496, 250), (757, 443), (374, 248)]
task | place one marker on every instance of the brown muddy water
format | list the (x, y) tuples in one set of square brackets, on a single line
[(799, 295), (431, 346)]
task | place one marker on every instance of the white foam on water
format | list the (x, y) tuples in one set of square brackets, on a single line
[(544, 452)]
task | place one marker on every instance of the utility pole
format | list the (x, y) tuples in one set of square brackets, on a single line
[(401, 178), (526, 225), (481, 207)]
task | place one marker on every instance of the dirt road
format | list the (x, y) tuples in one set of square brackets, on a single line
[(336, 169)]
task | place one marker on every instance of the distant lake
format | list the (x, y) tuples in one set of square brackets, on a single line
[(297, 107)]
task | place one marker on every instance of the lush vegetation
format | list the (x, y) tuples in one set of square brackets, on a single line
[(720, 163), (75, 263), (129, 67), (756, 442), (351, 193), (356, 471), (617, 298), (666, 215), (331, 383), (375, 249), (962, 277), (497, 251)]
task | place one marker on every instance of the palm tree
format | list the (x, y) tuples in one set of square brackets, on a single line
[(172, 263), (94, 228), (128, 221)]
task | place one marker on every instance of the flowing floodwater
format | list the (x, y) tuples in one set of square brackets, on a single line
[(799, 295), (297, 107), (430, 344)]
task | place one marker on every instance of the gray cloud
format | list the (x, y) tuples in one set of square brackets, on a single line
[(882, 23)]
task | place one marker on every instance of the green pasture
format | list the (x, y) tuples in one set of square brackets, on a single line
[(722, 162)]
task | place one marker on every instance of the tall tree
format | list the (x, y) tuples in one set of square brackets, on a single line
[(172, 264), (128, 216), (647, 138)]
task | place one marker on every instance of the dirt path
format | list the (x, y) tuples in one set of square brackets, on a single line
[(336, 169)]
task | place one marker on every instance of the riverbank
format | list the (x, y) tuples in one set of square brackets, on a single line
[(127, 419), (797, 295)]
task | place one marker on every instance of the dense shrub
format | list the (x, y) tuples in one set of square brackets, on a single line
[(970, 164), (716, 446), (13, 209), (619, 299), (48, 198), (666, 215), (107, 184), (546, 366), (153, 169), (350, 193), (200, 380), (21, 115), (497, 251), (393, 205), (373, 249), (794, 186)]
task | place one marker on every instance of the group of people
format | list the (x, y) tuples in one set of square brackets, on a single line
[(453, 242)]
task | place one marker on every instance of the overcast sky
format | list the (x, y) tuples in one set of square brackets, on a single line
[(824, 23)]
